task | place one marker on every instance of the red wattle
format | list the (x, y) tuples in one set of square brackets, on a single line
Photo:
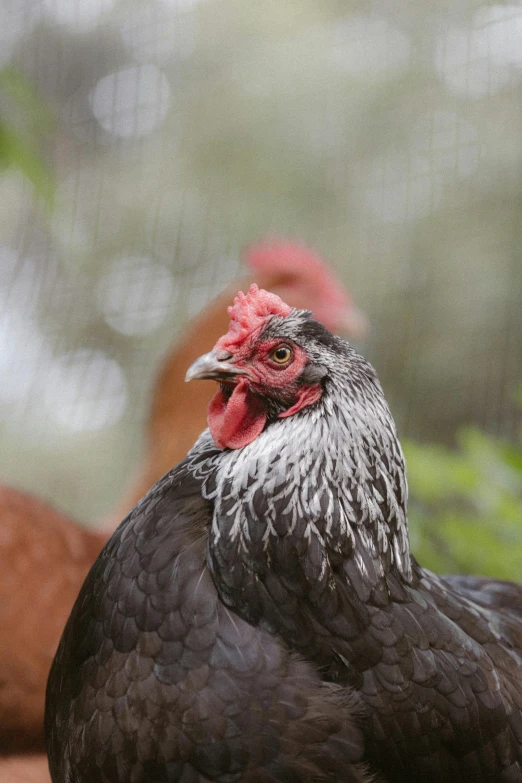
[(237, 421)]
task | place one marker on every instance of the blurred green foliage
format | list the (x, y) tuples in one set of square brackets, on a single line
[(465, 507), (25, 122)]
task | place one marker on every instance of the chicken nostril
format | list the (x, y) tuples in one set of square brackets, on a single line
[(223, 356)]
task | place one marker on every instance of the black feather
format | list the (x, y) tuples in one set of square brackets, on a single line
[(226, 626)]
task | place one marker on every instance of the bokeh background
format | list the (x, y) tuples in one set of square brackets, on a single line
[(144, 143)]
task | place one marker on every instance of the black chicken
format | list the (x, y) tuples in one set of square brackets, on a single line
[(223, 630)]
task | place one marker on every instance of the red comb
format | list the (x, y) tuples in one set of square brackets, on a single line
[(280, 255), (248, 312)]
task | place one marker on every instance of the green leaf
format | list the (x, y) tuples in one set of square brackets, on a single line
[(15, 152)]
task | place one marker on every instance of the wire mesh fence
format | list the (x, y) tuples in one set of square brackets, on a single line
[(388, 137)]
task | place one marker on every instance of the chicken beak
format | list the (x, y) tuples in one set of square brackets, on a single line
[(214, 366)]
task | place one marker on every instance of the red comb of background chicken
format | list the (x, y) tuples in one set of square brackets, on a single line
[(281, 255), (249, 311), (334, 306)]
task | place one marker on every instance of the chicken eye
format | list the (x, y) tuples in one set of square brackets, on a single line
[(281, 355)]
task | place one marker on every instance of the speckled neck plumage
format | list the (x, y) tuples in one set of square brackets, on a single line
[(327, 486)]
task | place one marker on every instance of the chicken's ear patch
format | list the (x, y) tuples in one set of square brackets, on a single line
[(248, 312)]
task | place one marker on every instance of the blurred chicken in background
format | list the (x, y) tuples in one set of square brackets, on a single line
[(45, 556)]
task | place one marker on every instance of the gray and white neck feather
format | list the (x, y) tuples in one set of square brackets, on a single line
[(329, 482)]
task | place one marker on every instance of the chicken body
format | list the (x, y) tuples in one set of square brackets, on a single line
[(186, 690), (290, 535)]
